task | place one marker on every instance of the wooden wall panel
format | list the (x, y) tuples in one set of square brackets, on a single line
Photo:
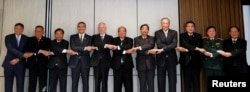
[(219, 13)]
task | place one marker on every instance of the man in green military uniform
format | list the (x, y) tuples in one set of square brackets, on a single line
[(213, 61)]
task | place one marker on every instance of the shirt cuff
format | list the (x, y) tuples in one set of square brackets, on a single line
[(39, 51), (211, 55), (140, 48), (105, 46), (118, 48), (52, 53), (124, 52), (186, 50), (64, 51)]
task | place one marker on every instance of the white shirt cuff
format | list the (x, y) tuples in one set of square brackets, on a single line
[(140, 48), (124, 52), (39, 51), (211, 55), (105, 46), (64, 51), (52, 53), (118, 48)]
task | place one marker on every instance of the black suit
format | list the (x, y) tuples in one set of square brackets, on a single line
[(80, 63), (18, 71), (145, 63), (236, 64), (167, 60), (101, 60), (58, 65), (122, 64), (191, 61), (37, 63)]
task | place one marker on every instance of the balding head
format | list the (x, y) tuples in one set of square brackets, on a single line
[(165, 22)]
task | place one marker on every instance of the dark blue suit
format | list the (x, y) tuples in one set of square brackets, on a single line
[(80, 64), (18, 70)]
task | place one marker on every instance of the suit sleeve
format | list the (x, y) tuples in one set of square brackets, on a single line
[(126, 46), (11, 48), (145, 47), (100, 45), (58, 50), (78, 48), (169, 47), (241, 50), (31, 47)]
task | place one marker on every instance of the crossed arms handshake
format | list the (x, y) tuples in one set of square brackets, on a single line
[(206, 53), (134, 49)]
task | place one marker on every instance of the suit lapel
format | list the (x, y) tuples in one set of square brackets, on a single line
[(15, 40)]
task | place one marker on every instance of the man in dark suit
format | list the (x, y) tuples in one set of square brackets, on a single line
[(190, 57), (58, 62), (166, 58), (101, 57), (37, 64), (122, 62), (145, 59), (14, 62), (235, 63), (79, 61)]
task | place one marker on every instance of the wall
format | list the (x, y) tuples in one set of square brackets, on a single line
[(67, 13), (219, 13)]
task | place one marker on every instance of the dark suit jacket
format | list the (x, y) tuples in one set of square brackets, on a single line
[(58, 58), (14, 51), (168, 44), (143, 59), (118, 55), (83, 55), (238, 50), (38, 60), (190, 42), (102, 54)]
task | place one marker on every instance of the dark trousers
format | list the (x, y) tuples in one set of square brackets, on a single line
[(123, 76), (212, 72), (56, 74), (76, 73), (40, 73), (146, 79), (101, 77), (191, 74), (172, 80), (18, 72)]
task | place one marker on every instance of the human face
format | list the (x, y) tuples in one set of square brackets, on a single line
[(81, 28), (59, 35), (122, 32), (165, 24), (39, 32), (144, 31), (234, 33), (102, 28), (211, 33), (18, 30), (190, 28)]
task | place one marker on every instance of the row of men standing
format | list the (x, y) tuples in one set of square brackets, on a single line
[(40, 52)]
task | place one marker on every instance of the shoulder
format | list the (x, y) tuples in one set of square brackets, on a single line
[(65, 41), (172, 30), (205, 38), (88, 36), (10, 35), (137, 37), (128, 38), (197, 34), (109, 36), (73, 35), (158, 31)]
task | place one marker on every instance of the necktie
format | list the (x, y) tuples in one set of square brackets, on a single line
[(81, 38), (234, 41), (38, 40), (18, 40), (102, 37), (121, 42)]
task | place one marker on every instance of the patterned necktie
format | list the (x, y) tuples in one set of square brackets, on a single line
[(102, 37), (81, 39)]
